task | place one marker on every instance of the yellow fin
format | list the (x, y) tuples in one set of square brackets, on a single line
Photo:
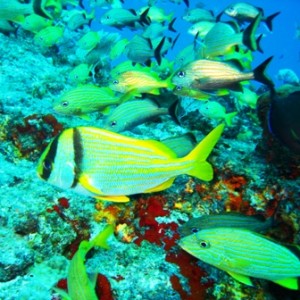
[(241, 278), (112, 198), (162, 186), (202, 169), (228, 118), (290, 283), (101, 239), (85, 181)]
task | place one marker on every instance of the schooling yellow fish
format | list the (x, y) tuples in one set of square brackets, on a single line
[(139, 81), (243, 254), (108, 166), (85, 99)]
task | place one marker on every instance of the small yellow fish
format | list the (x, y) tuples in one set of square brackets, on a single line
[(118, 49), (139, 82), (109, 166), (80, 73), (243, 254), (35, 23), (89, 41), (48, 36), (85, 99), (216, 111)]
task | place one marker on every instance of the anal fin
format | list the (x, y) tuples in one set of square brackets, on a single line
[(241, 278)]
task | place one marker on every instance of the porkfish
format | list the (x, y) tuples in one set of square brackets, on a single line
[(108, 166), (243, 254)]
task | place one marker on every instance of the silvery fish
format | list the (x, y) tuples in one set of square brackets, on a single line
[(132, 113), (206, 74), (108, 166), (243, 254), (243, 11)]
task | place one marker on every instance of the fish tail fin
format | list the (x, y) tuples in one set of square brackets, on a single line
[(144, 19), (270, 19), (259, 73), (249, 33), (187, 3), (101, 239), (259, 49), (290, 283), (228, 118), (201, 168), (173, 111), (170, 26), (157, 51)]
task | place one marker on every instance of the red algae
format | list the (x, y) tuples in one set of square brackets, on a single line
[(189, 269), (162, 234), (103, 288)]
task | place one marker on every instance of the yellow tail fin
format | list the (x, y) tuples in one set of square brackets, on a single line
[(202, 169), (101, 239)]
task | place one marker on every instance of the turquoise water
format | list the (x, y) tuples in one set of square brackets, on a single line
[(255, 172)]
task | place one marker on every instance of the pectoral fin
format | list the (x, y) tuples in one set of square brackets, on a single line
[(241, 278), (85, 181), (290, 283)]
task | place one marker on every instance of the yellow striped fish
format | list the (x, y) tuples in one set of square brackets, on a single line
[(139, 81), (204, 74), (108, 166), (243, 254), (85, 99)]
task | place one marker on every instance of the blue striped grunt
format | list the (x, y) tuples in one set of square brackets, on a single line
[(109, 166), (132, 113), (243, 254), (254, 223)]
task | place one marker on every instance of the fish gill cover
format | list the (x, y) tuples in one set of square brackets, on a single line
[(205, 99)]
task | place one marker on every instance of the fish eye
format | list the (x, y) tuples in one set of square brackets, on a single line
[(47, 165), (178, 88), (116, 81), (203, 244), (65, 103), (181, 74), (107, 17), (113, 123), (194, 229)]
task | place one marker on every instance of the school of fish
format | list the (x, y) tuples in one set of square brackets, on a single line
[(125, 79)]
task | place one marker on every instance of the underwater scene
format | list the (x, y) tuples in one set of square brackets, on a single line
[(150, 149)]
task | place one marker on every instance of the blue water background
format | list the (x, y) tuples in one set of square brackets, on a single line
[(281, 43)]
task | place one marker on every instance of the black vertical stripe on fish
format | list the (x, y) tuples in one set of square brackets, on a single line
[(49, 159), (78, 155)]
